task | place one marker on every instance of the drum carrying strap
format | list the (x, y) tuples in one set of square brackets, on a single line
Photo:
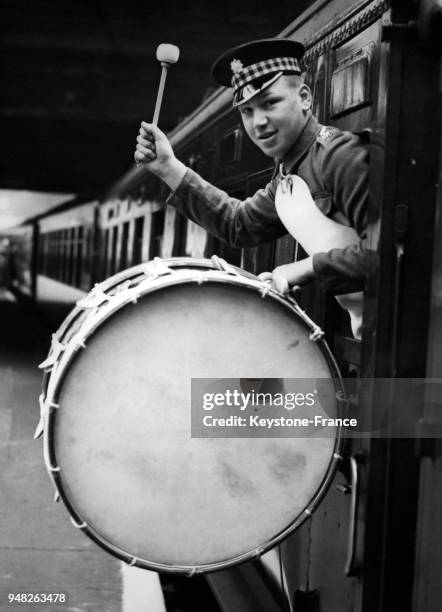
[(316, 233)]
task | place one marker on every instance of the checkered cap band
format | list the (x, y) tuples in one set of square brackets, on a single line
[(264, 68)]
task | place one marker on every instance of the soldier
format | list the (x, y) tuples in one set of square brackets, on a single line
[(318, 192)]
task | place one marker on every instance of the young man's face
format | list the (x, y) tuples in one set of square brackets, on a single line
[(275, 117)]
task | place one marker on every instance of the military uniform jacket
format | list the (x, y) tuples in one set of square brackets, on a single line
[(334, 164)]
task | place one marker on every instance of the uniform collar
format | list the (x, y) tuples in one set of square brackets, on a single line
[(306, 138)]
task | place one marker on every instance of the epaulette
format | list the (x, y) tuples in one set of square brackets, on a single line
[(326, 133)]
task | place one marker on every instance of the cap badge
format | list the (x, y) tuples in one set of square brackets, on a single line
[(236, 65)]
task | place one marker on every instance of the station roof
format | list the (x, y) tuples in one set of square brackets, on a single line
[(79, 76)]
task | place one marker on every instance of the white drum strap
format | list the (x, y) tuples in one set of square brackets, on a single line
[(316, 233)]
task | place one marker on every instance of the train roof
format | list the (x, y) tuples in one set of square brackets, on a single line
[(63, 206)]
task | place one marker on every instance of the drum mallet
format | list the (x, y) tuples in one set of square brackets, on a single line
[(166, 54)]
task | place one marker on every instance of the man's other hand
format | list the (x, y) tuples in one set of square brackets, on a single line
[(286, 277)]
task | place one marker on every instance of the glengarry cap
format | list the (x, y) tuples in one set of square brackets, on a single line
[(251, 67)]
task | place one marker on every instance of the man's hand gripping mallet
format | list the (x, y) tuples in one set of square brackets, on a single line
[(167, 55)]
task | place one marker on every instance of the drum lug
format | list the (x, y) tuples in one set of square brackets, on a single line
[(201, 278), (123, 288), (316, 334), (56, 349), (258, 551), (40, 427), (221, 264), (82, 525), (156, 268), (80, 341), (134, 562), (95, 298), (45, 407), (265, 288)]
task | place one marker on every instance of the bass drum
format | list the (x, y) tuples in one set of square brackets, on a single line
[(116, 416)]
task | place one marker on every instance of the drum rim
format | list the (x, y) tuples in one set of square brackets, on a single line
[(56, 377)]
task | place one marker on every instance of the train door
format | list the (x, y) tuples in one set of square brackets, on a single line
[(427, 593), (396, 340), (137, 251), (156, 233)]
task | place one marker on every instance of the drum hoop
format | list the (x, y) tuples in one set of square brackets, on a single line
[(115, 304)]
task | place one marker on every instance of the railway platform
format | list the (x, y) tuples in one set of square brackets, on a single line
[(40, 551)]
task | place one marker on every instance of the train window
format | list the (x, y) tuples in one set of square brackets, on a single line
[(50, 247), (44, 252), (124, 245), (156, 233), (256, 259), (54, 253), (57, 256), (71, 256), (180, 234), (58, 251), (64, 257), (350, 86), (79, 256), (196, 240), (113, 256), (90, 255), (105, 252), (231, 145), (316, 79), (43, 259), (138, 240), (169, 232)]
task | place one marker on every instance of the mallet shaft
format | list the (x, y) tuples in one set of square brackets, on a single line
[(156, 113)]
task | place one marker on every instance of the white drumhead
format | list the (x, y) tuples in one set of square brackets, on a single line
[(128, 466)]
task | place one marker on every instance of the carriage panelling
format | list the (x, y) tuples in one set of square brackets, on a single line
[(65, 246)]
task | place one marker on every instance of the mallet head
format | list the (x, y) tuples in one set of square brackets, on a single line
[(167, 54)]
